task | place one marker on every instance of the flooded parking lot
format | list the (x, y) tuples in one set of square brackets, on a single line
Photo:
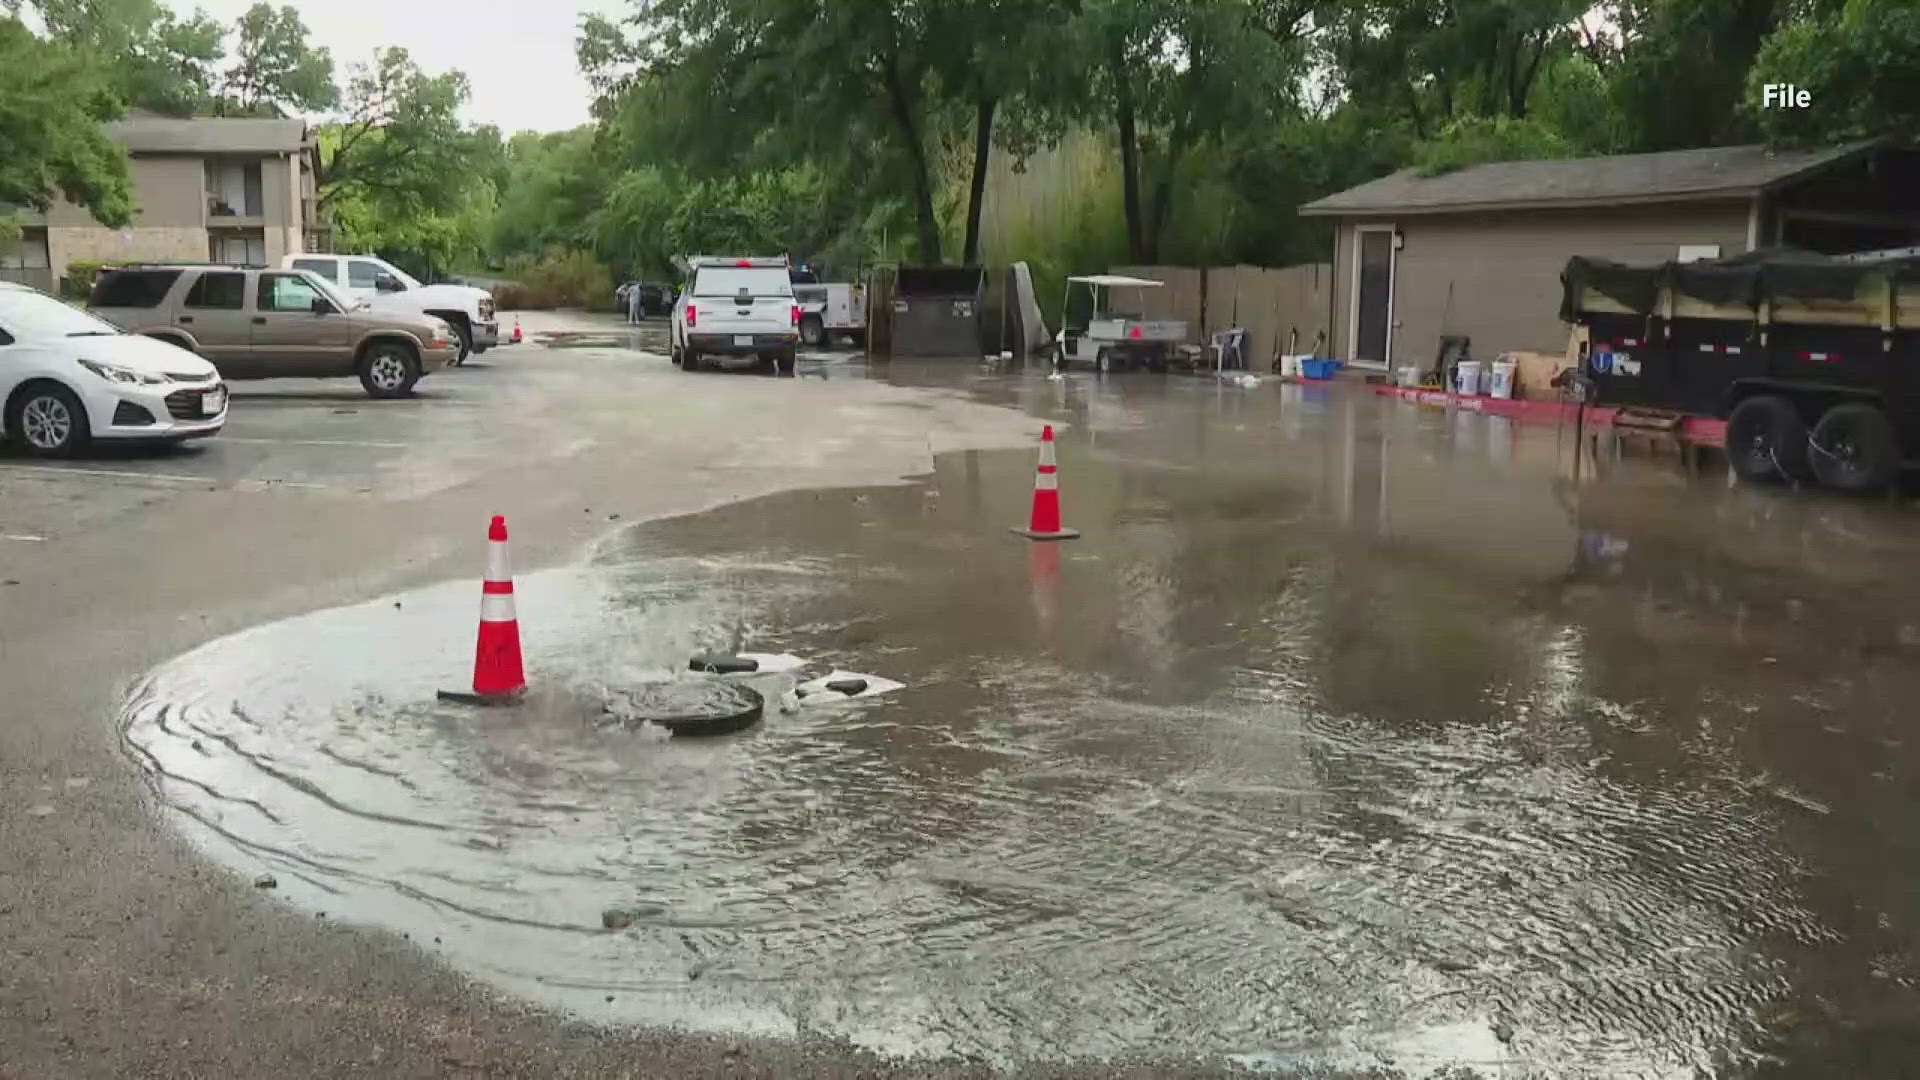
[(1352, 734)]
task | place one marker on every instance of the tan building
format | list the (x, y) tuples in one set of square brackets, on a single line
[(204, 189), (1479, 251)]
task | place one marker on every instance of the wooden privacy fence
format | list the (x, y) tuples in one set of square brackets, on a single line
[(1270, 302)]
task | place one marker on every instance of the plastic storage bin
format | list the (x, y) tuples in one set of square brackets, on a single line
[(1319, 367)]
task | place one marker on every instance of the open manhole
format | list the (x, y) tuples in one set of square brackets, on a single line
[(689, 706)]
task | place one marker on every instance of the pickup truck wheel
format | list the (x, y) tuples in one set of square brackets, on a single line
[(1854, 448), (389, 370), (1766, 440), (690, 359), (462, 336), (813, 331)]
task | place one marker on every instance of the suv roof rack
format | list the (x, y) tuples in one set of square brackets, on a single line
[(171, 264)]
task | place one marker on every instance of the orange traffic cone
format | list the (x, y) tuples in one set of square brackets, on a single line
[(497, 674), (516, 329), (1044, 522)]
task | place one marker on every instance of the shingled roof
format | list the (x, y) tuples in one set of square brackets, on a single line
[(1672, 176), (147, 134)]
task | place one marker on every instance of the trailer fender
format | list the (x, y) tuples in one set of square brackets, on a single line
[(1810, 398)]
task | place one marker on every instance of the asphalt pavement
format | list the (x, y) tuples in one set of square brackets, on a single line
[(1352, 738), (127, 954)]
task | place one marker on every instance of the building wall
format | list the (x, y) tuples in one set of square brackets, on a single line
[(170, 221), (92, 243), (1496, 277), (168, 192)]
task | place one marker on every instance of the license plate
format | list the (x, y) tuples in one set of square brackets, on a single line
[(743, 339), (212, 402)]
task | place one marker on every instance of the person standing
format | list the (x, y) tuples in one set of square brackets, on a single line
[(633, 302)]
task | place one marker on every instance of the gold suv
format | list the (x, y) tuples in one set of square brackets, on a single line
[(254, 322)]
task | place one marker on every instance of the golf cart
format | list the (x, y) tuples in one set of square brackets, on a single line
[(1112, 341)]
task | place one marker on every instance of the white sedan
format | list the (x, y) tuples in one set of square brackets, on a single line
[(68, 378)]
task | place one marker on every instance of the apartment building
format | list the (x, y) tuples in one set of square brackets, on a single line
[(206, 188)]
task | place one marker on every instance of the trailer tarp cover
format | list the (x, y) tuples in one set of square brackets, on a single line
[(1635, 287), (1777, 273)]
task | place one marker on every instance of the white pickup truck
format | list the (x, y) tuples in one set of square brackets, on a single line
[(736, 307), (469, 311)]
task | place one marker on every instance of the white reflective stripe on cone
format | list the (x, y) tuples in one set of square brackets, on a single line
[(1046, 453), (1047, 481), (497, 561), (496, 607)]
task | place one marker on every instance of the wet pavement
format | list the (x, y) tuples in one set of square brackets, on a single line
[(1353, 735)]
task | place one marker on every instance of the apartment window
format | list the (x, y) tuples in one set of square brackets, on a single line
[(26, 252), (233, 188), (246, 246)]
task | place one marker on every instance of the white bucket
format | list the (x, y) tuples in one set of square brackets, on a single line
[(1466, 377), (1409, 376), (1290, 366), (1500, 384)]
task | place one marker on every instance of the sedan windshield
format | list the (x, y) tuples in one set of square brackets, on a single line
[(25, 314)]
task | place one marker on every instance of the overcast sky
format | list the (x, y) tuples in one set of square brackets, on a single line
[(518, 54)]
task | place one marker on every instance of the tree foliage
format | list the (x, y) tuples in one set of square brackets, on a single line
[(52, 100), (402, 145), (275, 70), (1862, 63)]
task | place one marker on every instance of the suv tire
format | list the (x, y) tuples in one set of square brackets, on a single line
[(47, 420), (388, 369)]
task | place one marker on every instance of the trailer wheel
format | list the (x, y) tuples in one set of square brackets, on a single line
[(1854, 448), (1766, 440)]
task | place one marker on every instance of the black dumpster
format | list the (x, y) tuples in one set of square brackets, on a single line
[(936, 311)]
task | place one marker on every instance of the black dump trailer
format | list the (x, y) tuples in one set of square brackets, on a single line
[(1812, 360)]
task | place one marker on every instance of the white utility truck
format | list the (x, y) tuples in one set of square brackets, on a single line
[(828, 309)]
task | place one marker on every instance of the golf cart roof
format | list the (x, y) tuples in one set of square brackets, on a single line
[(1115, 281)]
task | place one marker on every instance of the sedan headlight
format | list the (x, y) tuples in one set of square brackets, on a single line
[(118, 374)]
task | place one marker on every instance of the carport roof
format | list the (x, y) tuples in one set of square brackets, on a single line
[(1672, 176), (148, 134)]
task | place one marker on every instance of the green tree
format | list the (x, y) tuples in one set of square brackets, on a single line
[(1680, 68), (53, 98), (275, 71), (401, 148), (153, 60), (1862, 64)]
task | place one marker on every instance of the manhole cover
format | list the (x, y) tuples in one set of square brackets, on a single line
[(689, 706)]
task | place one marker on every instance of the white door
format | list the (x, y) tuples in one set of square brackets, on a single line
[(1371, 333)]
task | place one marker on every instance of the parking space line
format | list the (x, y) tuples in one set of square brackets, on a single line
[(24, 538), (63, 470), (245, 483), (316, 442)]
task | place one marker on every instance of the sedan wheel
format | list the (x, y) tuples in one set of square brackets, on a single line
[(49, 421)]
